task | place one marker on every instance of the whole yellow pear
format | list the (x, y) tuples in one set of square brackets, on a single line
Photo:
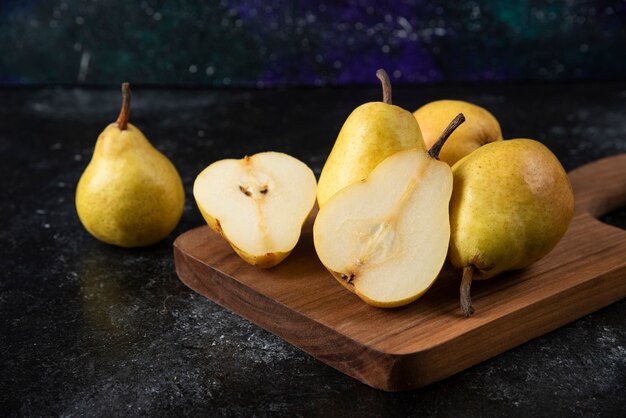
[(511, 204), (480, 127), (130, 194), (372, 132)]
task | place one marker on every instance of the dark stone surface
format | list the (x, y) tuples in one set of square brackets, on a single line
[(87, 329)]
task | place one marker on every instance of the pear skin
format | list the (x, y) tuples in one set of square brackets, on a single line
[(130, 195), (512, 202), (264, 261), (480, 127), (372, 132)]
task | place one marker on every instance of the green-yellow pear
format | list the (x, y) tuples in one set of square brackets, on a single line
[(511, 204), (480, 127), (130, 194), (372, 132)]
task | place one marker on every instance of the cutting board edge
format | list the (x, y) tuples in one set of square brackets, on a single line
[(607, 287), (382, 370), (342, 357)]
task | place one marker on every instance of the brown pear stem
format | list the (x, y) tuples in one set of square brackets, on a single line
[(384, 80), (466, 299), (436, 148), (122, 119)]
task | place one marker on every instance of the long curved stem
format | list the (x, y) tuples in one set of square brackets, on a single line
[(466, 298), (122, 119), (436, 148)]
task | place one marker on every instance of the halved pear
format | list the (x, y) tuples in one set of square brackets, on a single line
[(386, 237), (258, 204)]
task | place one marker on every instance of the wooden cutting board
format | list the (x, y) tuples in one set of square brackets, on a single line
[(409, 347)]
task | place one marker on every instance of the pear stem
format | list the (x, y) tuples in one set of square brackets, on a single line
[(436, 148), (466, 299), (384, 80), (122, 119)]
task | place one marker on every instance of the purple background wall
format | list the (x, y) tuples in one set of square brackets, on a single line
[(309, 42)]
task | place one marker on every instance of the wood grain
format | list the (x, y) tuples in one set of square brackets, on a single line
[(412, 346)]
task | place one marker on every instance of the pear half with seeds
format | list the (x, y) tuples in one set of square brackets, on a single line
[(385, 238), (258, 204)]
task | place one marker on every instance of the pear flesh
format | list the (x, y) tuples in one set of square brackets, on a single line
[(258, 204), (511, 204), (385, 238), (371, 133), (480, 127), (130, 194)]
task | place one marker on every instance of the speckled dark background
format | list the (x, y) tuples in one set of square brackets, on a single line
[(87, 329), (284, 42)]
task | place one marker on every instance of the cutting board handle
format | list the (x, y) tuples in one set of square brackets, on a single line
[(600, 186)]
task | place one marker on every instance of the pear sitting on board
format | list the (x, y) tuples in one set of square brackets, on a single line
[(386, 237), (511, 204), (258, 204)]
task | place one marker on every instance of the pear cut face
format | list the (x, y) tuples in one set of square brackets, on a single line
[(387, 237), (258, 203)]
